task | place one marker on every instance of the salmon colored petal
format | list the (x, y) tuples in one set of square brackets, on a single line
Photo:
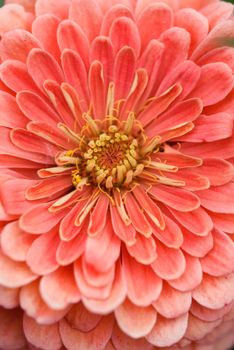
[(215, 83), (33, 305), (220, 260), (124, 70), (14, 242), (11, 330), (113, 12), (93, 340), (191, 277), (196, 24), (124, 32), (99, 215), (209, 315), (144, 250), (42, 336), (223, 203), (88, 15), (97, 90), (71, 36), (168, 331), (135, 321), (124, 232), (83, 320), (41, 256), (103, 250), (116, 297), (142, 283), (122, 341), (197, 221), (42, 66), (217, 12), (15, 75), (68, 252), (223, 222), (158, 17), (170, 263), (14, 274), (39, 220), (17, 44), (175, 198), (198, 329), (54, 7), (171, 236), (221, 54), (10, 113), (215, 292), (48, 38), (197, 246), (58, 289), (49, 188), (9, 297), (172, 303)]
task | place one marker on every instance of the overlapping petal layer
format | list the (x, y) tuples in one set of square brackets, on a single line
[(116, 175)]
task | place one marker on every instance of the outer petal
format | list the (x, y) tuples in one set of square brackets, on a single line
[(11, 330), (57, 8)]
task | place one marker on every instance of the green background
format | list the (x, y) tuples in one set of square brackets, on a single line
[(2, 1)]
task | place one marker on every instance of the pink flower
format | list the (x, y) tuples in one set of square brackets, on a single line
[(116, 180)]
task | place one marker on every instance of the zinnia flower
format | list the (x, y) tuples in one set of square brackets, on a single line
[(117, 193)]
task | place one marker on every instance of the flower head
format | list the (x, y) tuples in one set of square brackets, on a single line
[(116, 180)]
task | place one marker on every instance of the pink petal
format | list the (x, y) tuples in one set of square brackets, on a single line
[(138, 219), (116, 297), (88, 15), (57, 8), (124, 32), (59, 289), (122, 341), (76, 75), (135, 321), (13, 16), (198, 329), (142, 4), (11, 330), (99, 215), (71, 36), (70, 251), (196, 24), (185, 74), (223, 222), (171, 236), (124, 232), (10, 113), (48, 38), (9, 297), (35, 108), (50, 187), (14, 242), (157, 17), (97, 90), (93, 340), (170, 263), (192, 276), (42, 66), (144, 250), (215, 292), (197, 246), (222, 30), (102, 51), (83, 320), (15, 75), (124, 70), (114, 12), (14, 274), (197, 221), (33, 305), (17, 44), (217, 12), (175, 198), (41, 256), (209, 315), (221, 54), (172, 303), (42, 336), (15, 162), (166, 332), (142, 283), (39, 220), (218, 199), (215, 83), (103, 250), (177, 42), (220, 260)]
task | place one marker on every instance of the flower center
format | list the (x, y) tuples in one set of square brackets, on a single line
[(109, 153)]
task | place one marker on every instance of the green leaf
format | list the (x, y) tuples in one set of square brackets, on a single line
[(1, 2)]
